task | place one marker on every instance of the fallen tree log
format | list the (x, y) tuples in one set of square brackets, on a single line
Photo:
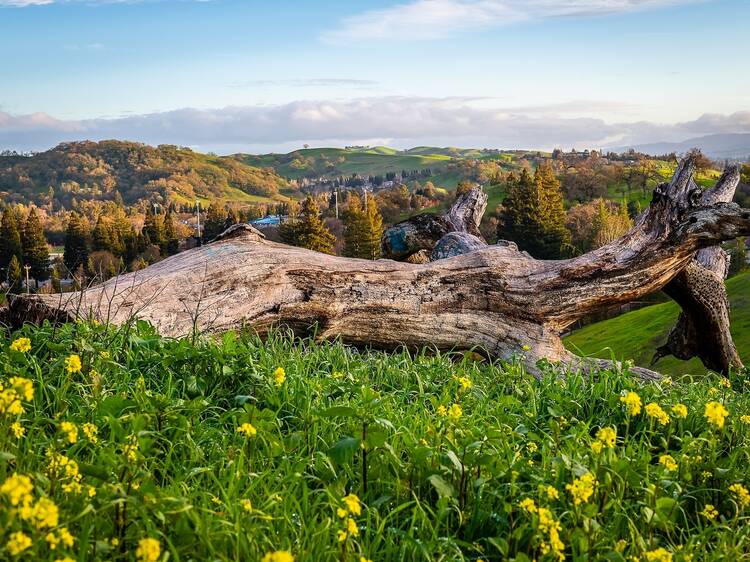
[(495, 300)]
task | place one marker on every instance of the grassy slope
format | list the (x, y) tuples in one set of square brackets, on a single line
[(169, 463), (636, 335)]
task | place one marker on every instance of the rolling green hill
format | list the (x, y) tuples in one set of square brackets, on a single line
[(637, 334), (100, 170)]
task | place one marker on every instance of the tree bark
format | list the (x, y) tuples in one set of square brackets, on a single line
[(495, 300)]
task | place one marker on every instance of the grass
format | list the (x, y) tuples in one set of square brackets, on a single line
[(352, 455), (637, 334)]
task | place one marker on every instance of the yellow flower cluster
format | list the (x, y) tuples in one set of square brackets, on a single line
[(453, 413), (581, 489), (247, 429), (18, 488), (17, 429), (632, 402), (148, 550), (741, 495), (668, 462), (279, 376), (658, 555), (62, 537), (278, 556), (549, 527), (716, 413), (465, 382), (605, 437), (42, 514), (130, 449), (22, 345), (653, 410), (679, 411), (745, 419), (710, 512), (17, 543), (91, 432), (66, 469), (70, 430), (352, 507), (73, 364), (18, 389)]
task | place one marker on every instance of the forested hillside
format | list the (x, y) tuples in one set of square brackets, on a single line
[(101, 170)]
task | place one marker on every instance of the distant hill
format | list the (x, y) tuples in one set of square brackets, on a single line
[(637, 334), (99, 170), (733, 146)]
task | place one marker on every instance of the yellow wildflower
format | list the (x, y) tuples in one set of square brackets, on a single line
[(66, 559), (17, 543), (581, 489), (715, 414), (44, 513), (528, 505), (22, 345), (351, 527), (148, 550), (363, 559), (23, 387), (607, 436), (63, 537), (465, 382), (658, 555), (632, 402), (91, 432), (710, 512), (741, 495), (247, 505), (278, 556), (667, 381), (279, 376), (73, 364), (442, 411), (552, 493), (70, 430), (455, 412), (668, 462), (18, 488), (353, 504), (653, 410), (532, 447), (130, 449), (17, 429), (341, 512), (247, 429), (745, 419), (679, 411), (341, 535), (597, 446), (725, 382)]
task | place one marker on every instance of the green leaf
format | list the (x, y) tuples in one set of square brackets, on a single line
[(339, 412), (344, 449), (443, 488)]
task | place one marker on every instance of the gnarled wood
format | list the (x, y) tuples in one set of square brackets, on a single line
[(495, 299)]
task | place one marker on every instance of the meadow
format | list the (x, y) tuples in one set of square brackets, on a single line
[(118, 444)]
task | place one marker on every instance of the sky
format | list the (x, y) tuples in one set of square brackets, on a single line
[(257, 76)]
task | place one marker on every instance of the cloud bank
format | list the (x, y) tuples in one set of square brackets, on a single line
[(438, 19), (398, 121)]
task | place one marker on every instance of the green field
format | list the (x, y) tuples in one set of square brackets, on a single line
[(637, 334), (120, 445)]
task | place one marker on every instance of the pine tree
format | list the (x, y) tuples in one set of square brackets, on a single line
[(35, 248), (312, 232), (520, 209), (554, 236), (215, 220), (103, 234), (153, 229), (171, 242), (372, 229), (77, 246), (354, 219), (14, 275), (10, 241)]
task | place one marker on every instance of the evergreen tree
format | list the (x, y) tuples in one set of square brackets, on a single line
[(216, 216), (10, 241), (76, 252), (354, 219), (35, 248), (14, 275), (153, 229), (554, 236), (372, 229), (520, 207), (312, 232), (103, 234), (171, 242)]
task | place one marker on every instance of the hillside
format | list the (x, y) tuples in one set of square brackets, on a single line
[(637, 334), (99, 170), (732, 146)]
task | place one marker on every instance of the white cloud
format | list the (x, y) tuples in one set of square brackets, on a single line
[(399, 121), (437, 19)]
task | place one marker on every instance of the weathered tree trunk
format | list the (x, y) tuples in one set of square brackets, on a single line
[(495, 299)]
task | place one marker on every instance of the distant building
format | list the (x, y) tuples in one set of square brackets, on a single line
[(265, 222)]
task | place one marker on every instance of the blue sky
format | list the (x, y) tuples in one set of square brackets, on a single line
[(229, 75)]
